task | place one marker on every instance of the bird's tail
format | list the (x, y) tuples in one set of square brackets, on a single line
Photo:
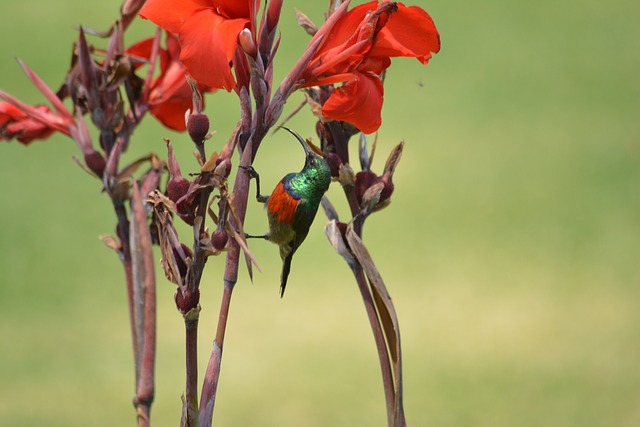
[(286, 267)]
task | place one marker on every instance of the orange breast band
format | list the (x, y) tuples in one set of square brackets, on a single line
[(282, 205)]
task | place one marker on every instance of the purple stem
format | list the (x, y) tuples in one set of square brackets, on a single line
[(191, 362), (378, 335), (145, 389), (367, 298), (212, 376)]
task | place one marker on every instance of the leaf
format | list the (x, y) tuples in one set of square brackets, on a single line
[(387, 313), (168, 235), (332, 232), (328, 208), (371, 197), (210, 164), (394, 159)]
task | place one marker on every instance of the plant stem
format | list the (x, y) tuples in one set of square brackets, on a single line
[(191, 362), (378, 335), (212, 376), (122, 230), (145, 284)]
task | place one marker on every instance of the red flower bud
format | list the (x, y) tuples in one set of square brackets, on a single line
[(177, 187), (186, 299), (198, 127), (387, 191), (96, 162), (364, 180), (219, 239)]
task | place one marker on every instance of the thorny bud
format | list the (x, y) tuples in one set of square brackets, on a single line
[(198, 127)]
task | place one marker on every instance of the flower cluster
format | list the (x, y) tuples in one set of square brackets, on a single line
[(202, 46), (357, 50)]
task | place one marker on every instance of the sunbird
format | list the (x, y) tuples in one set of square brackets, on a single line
[(293, 204)]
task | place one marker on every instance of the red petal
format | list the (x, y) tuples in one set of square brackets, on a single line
[(409, 32), (141, 49), (233, 9), (346, 26), (171, 113), (208, 45), (358, 102), (171, 14)]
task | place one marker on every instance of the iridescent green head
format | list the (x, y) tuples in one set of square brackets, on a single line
[(315, 177)]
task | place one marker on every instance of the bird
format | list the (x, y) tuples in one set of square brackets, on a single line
[(293, 204)]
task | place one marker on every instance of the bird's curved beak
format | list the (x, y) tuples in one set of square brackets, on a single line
[(305, 146), (309, 149)]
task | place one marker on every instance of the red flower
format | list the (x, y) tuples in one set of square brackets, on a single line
[(14, 123), (169, 94), (357, 48), (208, 32)]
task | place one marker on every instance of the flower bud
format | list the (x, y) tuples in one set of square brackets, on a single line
[(187, 300), (364, 180), (177, 187), (245, 40), (198, 127), (219, 239), (96, 162)]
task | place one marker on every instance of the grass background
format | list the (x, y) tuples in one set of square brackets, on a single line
[(510, 249)]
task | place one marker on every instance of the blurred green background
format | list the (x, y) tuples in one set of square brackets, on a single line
[(511, 247)]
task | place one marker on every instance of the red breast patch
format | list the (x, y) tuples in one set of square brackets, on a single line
[(282, 205)]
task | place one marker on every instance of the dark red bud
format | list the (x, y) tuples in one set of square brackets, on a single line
[(219, 239), (177, 187), (364, 180), (334, 164), (198, 127), (96, 162), (387, 191), (186, 299)]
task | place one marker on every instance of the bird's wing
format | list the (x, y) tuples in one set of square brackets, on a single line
[(302, 220)]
